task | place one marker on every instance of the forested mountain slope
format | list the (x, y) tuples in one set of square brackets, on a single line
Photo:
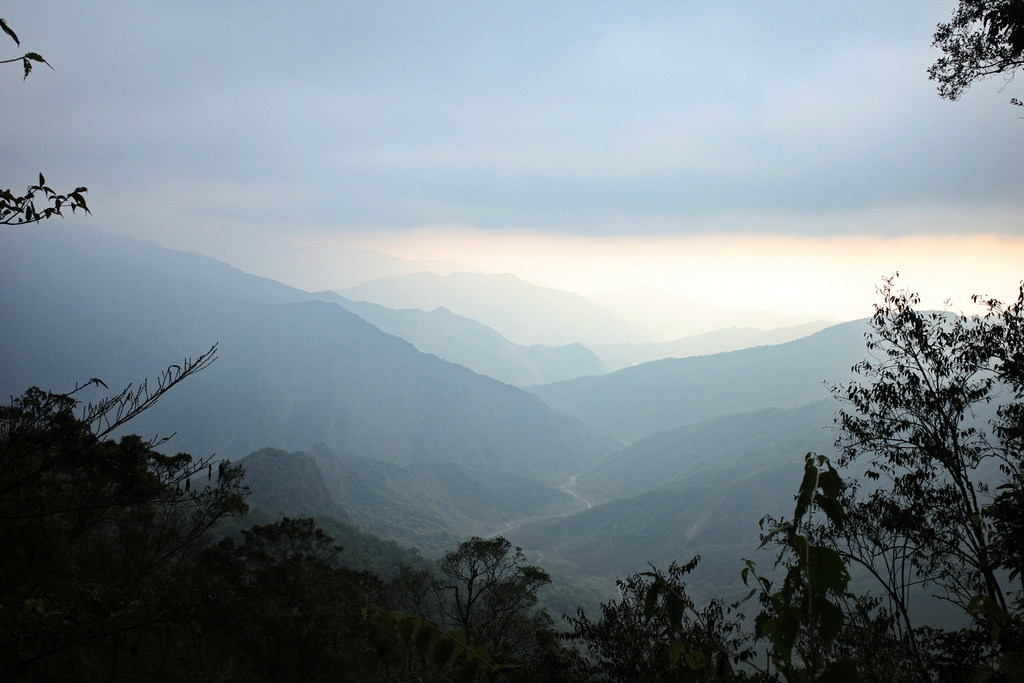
[(653, 397), (699, 489), (78, 304), (429, 505)]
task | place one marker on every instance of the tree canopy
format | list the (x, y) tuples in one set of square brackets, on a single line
[(984, 38)]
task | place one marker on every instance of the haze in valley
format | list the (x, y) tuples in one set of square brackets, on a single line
[(582, 275)]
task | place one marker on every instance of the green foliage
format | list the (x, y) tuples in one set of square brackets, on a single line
[(984, 38), (20, 209), (935, 519), (444, 649), (291, 611), (803, 619), (478, 617), (929, 517), (655, 632), (493, 594)]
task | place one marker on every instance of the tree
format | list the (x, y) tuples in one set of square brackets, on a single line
[(936, 427), (655, 632), (293, 613), (493, 594), (101, 539), (983, 39), (39, 202)]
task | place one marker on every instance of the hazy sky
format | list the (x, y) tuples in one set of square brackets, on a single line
[(782, 154)]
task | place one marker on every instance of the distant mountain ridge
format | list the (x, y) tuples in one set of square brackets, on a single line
[(462, 340), (653, 397), (78, 304), (671, 316), (618, 356), (523, 313), (325, 267)]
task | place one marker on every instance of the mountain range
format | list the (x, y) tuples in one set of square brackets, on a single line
[(291, 370), (465, 341), (652, 397), (522, 312), (334, 416)]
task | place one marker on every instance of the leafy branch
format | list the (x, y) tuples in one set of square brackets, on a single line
[(19, 210), (23, 209), (27, 58)]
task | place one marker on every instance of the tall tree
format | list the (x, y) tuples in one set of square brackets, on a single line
[(493, 595), (935, 425), (984, 38)]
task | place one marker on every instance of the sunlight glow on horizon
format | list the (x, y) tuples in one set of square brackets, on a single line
[(829, 276)]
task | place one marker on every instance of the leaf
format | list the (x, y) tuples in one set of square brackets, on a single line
[(696, 661), (980, 674), (423, 637), (467, 672), (826, 570), (651, 601), (783, 632), (479, 652), (675, 651), (8, 31), (674, 608), (405, 628), (831, 619), (456, 637), (841, 671), (443, 652), (807, 488)]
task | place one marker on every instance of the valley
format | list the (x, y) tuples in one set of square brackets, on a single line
[(366, 409)]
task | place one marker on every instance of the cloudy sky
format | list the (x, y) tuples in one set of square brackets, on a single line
[(766, 153)]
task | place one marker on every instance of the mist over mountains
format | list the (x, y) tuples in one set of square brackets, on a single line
[(652, 397), (671, 316), (521, 312), (405, 422), (480, 348), (291, 371)]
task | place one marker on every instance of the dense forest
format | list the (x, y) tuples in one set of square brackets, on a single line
[(385, 540)]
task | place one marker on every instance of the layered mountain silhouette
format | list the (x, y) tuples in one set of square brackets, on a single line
[(469, 343), (664, 394), (695, 490), (523, 313), (618, 356), (291, 371)]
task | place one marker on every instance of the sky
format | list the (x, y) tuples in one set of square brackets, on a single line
[(759, 154)]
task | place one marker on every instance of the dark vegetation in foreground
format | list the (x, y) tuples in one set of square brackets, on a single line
[(120, 563), (112, 569)]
